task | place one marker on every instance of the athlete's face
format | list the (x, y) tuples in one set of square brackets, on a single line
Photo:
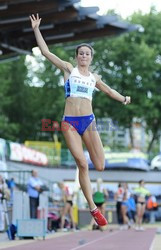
[(84, 56), (142, 183)]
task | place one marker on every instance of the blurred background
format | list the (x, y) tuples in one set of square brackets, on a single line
[(127, 43)]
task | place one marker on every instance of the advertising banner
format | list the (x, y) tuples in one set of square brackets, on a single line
[(19, 152)]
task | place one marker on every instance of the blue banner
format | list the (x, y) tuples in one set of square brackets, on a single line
[(123, 160)]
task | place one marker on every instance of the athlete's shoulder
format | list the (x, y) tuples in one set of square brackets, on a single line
[(69, 67), (97, 77)]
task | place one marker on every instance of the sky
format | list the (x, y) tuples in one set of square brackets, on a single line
[(123, 7)]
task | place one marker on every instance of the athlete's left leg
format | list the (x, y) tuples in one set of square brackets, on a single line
[(94, 146)]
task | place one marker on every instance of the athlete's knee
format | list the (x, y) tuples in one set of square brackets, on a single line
[(81, 163), (100, 165)]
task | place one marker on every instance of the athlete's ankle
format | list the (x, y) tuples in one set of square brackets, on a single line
[(93, 208)]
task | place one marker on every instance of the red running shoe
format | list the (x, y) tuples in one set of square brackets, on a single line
[(99, 218)]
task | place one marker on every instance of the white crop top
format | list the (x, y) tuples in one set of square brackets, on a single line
[(78, 85)]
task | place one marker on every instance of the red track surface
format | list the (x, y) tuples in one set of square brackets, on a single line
[(94, 240)]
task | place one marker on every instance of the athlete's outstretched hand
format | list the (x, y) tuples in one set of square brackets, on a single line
[(35, 21)]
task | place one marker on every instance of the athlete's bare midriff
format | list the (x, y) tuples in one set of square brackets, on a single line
[(141, 199), (77, 106)]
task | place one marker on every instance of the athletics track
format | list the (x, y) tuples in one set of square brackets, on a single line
[(89, 240)]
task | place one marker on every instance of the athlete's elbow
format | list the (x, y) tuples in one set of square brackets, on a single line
[(44, 52)]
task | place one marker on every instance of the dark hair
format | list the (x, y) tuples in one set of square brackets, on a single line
[(84, 45), (119, 184), (141, 181)]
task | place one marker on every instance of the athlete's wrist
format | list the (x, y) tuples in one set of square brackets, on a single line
[(125, 100)]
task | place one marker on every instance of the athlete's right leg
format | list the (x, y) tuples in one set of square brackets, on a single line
[(124, 214), (72, 217), (74, 143), (142, 211), (64, 213), (139, 216)]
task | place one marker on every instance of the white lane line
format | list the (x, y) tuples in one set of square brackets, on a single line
[(93, 241), (152, 244)]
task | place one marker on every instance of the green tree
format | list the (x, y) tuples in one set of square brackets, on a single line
[(8, 128), (152, 102), (48, 95), (131, 65)]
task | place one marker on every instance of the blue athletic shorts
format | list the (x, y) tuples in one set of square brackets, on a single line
[(80, 123)]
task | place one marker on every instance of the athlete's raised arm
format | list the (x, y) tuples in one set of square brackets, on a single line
[(111, 92), (62, 65)]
